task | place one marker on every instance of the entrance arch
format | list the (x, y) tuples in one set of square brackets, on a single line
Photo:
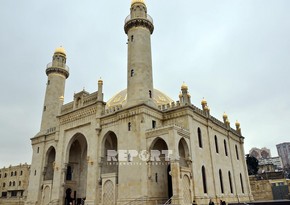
[(109, 153), (183, 152), (77, 167)]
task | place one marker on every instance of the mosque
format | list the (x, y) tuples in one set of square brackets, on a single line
[(139, 147)]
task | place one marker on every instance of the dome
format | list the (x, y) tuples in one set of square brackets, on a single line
[(60, 50), (203, 102), (225, 115), (120, 98), (138, 1), (237, 124)]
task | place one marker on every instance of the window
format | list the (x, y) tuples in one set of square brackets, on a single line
[(13, 183), (237, 152), (14, 193), (150, 94), (15, 173), (4, 184), (11, 173), (230, 181), (0, 176), (5, 175), (129, 126), (242, 185), (48, 82), (37, 149), (4, 194), (19, 183), (69, 173), (156, 177), (132, 72), (199, 137), (44, 108), (204, 179), (21, 172), (10, 183), (34, 172), (216, 144), (226, 149), (153, 124), (132, 38), (221, 181)]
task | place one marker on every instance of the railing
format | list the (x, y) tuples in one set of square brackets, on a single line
[(148, 17), (58, 65)]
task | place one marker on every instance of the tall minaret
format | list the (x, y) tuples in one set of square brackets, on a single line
[(139, 27), (57, 72)]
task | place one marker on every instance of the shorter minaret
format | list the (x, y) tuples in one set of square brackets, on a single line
[(57, 72)]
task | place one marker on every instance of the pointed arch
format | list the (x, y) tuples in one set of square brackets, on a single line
[(183, 152), (49, 164), (109, 153), (204, 182), (221, 181), (199, 137)]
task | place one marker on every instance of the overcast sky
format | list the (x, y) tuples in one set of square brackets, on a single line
[(234, 53)]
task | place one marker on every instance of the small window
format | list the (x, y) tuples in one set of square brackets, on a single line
[(10, 183), (150, 94), (132, 38), (226, 149), (237, 152), (156, 177), (129, 126), (4, 194), (11, 173), (0, 176), (4, 184), (199, 137), (153, 124), (242, 184), (204, 180), (221, 181), (5, 175), (216, 144), (15, 173), (19, 183), (44, 108), (230, 181), (34, 172), (132, 72), (37, 149), (21, 172), (48, 82), (13, 183)]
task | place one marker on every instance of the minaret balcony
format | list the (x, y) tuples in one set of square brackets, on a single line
[(131, 21), (55, 67), (58, 65), (148, 17)]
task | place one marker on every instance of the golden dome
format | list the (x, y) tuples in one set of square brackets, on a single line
[(60, 50), (203, 101), (184, 86), (100, 81), (237, 124), (138, 1), (120, 98)]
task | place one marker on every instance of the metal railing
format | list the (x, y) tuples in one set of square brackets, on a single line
[(148, 17), (58, 65)]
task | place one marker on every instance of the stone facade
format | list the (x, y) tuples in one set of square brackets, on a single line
[(166, 149), (13, 184)]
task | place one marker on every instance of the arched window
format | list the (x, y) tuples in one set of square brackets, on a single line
[(10, 183), (21, 172), (199, 137), (132, 72), (237, 152), (216, 144), (4, 184), (204, 179), (221, 181), (226, 149), (230, 181), (14, 183), (11, 173), (15, 173), (150, 94), (242, 185), (19, 183), (129, 126)]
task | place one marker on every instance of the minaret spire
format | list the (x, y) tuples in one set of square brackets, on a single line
[(139, 27)]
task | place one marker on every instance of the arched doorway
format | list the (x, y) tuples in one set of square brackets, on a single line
[(76, 172), (49, 167), (183, 153), (109, 153), (161, 183)]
